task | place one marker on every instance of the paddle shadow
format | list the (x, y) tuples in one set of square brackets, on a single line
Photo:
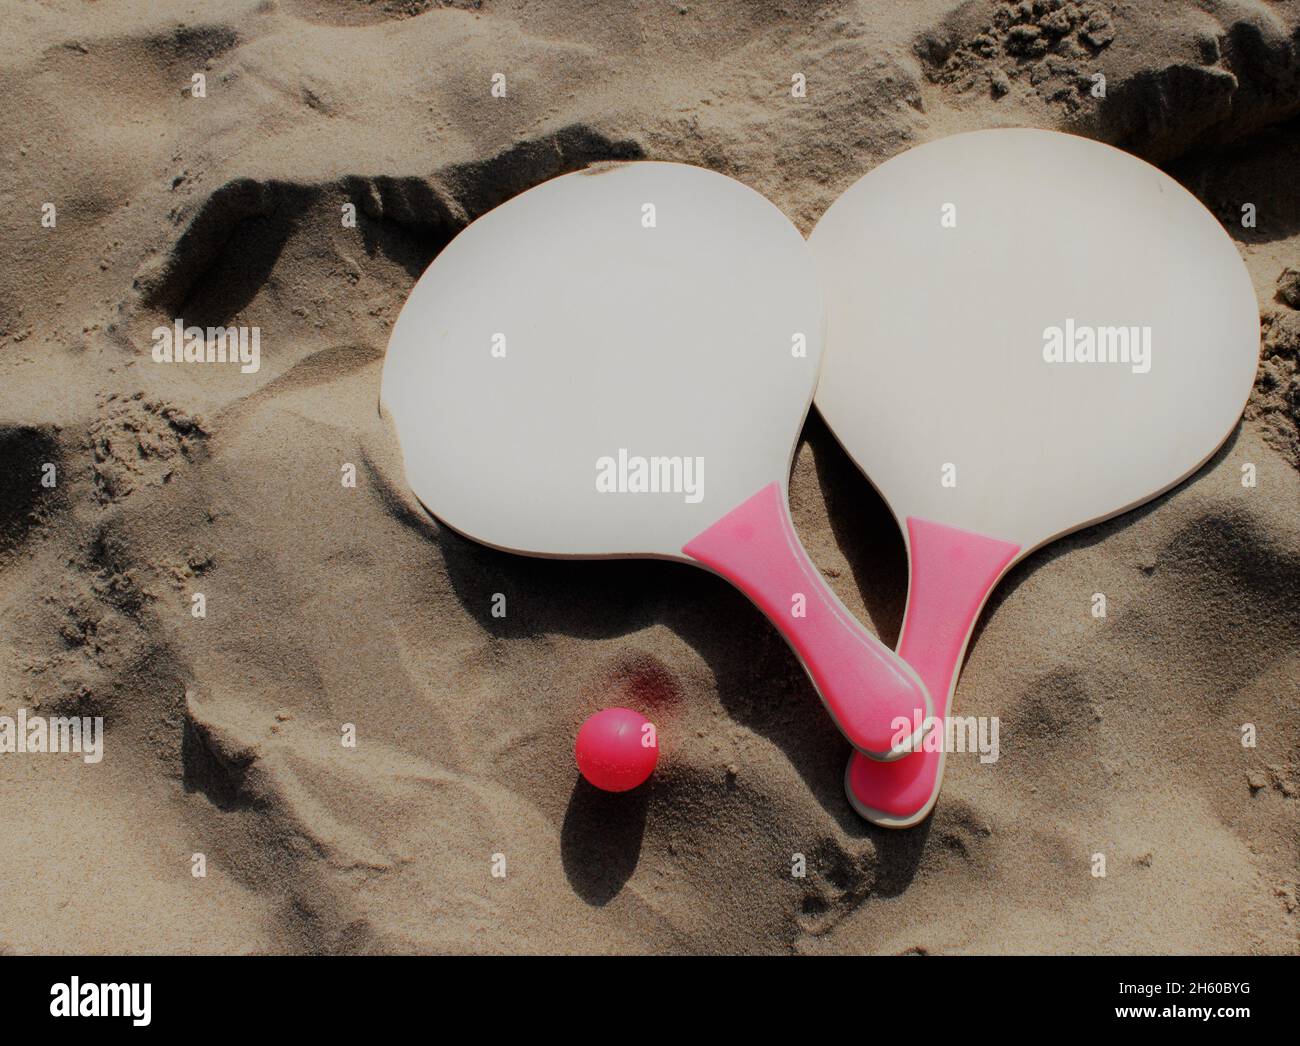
[(865, 531), (759, 681)]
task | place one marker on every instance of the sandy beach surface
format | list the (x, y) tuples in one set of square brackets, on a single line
[(329, 604)]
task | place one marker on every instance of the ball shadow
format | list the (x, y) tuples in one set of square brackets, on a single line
[(600, 840)]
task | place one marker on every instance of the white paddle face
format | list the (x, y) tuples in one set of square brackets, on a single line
[(649, 325), (950, 270)]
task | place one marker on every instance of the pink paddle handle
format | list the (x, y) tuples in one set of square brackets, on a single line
[(865, 686), (953, 571)]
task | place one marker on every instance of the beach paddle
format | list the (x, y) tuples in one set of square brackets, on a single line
[(1028, 332), (618, 363)]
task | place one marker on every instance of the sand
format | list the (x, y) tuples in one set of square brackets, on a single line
[(329, 604)]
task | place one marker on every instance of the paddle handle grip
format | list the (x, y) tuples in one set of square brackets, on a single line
[(952, 573), (870, 692)]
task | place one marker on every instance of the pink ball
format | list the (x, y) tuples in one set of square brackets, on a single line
[(610, 750)]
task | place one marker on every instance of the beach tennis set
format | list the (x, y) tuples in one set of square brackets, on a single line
[(1013, 334)]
